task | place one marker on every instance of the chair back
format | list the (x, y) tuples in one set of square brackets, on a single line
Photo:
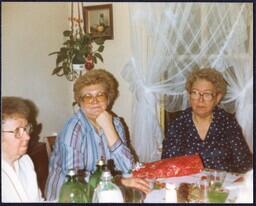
[(50, 141)]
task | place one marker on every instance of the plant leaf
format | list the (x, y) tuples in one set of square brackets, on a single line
[(56, 70), (68, 43), (101, 48), (66, 68), (87, 35), (67, 33), (94, 60), (98, 55), (63, 50), (56, 52), (99, 41), (60, 75), (60, 58), (85, 50)]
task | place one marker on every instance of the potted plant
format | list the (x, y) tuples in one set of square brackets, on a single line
[(77, 52)]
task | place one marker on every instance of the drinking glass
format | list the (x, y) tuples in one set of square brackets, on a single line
[(132, 195), (216, 192), (216, 178), (151, 183), (204, 186)]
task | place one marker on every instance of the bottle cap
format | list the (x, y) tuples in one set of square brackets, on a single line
[(170, 186), (71, 172), (100, 162)]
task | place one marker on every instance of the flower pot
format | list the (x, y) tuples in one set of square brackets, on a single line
[(78, 67)]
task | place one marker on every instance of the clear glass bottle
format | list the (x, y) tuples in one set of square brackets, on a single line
[(107, 191), (95, 179), (170, 193), (72, 191)]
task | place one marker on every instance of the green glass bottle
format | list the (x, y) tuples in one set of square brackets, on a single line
[(72, 191), (95, 179), (81, 176)]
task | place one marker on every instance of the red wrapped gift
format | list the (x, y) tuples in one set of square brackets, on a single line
[(170, 167)]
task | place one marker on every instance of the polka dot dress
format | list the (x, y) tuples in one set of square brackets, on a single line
[(224, 147)]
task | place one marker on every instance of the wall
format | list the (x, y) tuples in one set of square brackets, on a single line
[(30, 31)]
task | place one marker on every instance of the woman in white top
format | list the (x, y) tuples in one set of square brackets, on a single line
[(19, 180)]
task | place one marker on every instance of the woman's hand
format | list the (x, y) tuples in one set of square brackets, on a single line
[(137, 183), (104, 120)]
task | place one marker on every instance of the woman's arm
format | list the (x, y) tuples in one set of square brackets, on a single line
[(119, 150), (71, 147), (133, 182), (105, 120)]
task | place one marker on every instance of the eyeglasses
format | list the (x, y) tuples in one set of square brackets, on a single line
[(207, 96), (19, 132), (88, 98)]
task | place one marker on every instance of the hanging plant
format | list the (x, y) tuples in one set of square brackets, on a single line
[(78, 48)]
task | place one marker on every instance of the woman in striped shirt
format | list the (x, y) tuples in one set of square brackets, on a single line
[(91, 133)]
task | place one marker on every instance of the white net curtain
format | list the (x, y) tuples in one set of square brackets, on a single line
[(168, 40)]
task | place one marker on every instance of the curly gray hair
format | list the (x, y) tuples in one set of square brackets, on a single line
[(209, 74), (97, 76)]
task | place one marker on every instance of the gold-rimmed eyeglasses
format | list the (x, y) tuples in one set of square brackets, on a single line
[(19, 132), (207, 96), (88, 98)]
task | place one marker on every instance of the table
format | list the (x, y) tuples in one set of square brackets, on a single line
[(158, 196)]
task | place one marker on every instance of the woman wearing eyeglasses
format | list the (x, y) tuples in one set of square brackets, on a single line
[(206, 129), (19, 180), (91, 133)]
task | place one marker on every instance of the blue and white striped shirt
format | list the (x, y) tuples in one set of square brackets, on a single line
[(79, 146)]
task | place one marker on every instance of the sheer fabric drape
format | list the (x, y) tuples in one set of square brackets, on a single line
[(168, 40)]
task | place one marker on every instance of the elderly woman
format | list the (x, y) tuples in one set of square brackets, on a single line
[(19, 180), (206, 129), (91, 133)]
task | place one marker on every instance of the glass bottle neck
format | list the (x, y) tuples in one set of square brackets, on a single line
[(106, 179), (71, 178), (99, 168)]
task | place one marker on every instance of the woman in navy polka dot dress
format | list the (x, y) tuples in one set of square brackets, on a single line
[(206, 129)]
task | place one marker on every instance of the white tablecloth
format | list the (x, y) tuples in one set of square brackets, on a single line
[(158, 196)]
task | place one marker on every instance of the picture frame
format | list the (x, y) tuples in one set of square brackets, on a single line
[(98, 21)]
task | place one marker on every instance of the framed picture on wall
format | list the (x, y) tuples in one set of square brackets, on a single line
[(98, 20)]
